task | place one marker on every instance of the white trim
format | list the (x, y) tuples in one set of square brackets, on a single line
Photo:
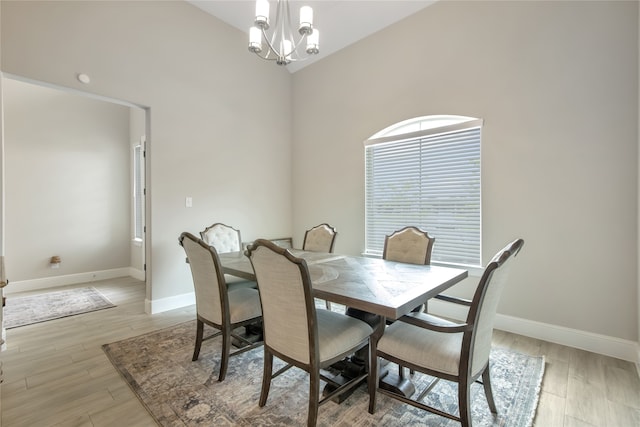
[(137, 274), (71, 90), (69, 279), (589, 341), (170, 303), (464, 123)]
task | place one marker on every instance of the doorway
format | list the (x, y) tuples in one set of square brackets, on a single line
[(70, 175)]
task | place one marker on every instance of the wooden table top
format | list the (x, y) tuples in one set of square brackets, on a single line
[(387, 288)]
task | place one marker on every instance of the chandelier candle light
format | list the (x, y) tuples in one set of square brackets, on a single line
[(282, 45)]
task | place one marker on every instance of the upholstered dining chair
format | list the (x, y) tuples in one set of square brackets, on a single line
[(457, 352), (320, 238), (226, 239), (222, 237), (216, 305), (410, 245), (298, 333)]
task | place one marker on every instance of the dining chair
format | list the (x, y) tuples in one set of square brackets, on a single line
[(320, 238), (225, 238), (410, 245), (297, 332), (216, 305), (457, 352)]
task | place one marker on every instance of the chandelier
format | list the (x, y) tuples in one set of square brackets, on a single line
[(283, 45)]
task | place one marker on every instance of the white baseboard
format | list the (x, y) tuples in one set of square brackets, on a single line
[(68, 279), (170, 303), (596, 343), (137, 274)]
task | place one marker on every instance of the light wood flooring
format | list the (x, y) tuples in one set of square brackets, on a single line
[(56, 374)]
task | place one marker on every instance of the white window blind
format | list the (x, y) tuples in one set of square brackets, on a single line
[(430, 179)]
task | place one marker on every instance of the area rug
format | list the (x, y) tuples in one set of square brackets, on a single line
[(31, 309), (178, 392)]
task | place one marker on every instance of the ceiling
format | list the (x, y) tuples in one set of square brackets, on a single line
[(340, 23)]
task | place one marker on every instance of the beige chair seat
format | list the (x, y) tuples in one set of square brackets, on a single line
[(419, 346), (244, 304), (337, 333), (237, 283)]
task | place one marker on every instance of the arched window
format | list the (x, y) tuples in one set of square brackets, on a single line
[(426, 172)]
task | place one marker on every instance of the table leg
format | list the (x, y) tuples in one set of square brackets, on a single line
[(252, 333), (355, 365)]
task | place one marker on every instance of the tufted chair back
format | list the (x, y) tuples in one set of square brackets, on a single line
[(410, 245), (222, 237), (319, 238)]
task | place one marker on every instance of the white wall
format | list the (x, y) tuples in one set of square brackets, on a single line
[(557, 86), (219, 117), (67, 180)]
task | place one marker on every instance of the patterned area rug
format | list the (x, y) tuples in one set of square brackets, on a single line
[(31, 309), (179, 392)]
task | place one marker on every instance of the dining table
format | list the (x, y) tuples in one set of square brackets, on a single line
[(366, 285), (386, 288)]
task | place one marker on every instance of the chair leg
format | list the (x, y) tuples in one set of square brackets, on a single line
[(199, 335), (314, 398), (266, 377), (373, 377), (226, 350), (486, 383), (464, 402)]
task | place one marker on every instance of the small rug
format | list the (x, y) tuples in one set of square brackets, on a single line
[(31, 309), (178, 392)]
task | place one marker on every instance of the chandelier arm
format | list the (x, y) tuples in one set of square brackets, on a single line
[(282, 29), (270, 44), (272, 50), (300, 40)]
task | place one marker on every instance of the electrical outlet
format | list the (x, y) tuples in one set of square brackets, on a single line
[(188, 202)]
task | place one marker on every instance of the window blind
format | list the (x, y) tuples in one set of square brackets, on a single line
[(431, 180)]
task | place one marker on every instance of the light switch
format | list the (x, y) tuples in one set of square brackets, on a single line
[(188, 202)]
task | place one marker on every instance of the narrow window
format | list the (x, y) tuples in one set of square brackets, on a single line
[(138, 192), (426, 172)]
